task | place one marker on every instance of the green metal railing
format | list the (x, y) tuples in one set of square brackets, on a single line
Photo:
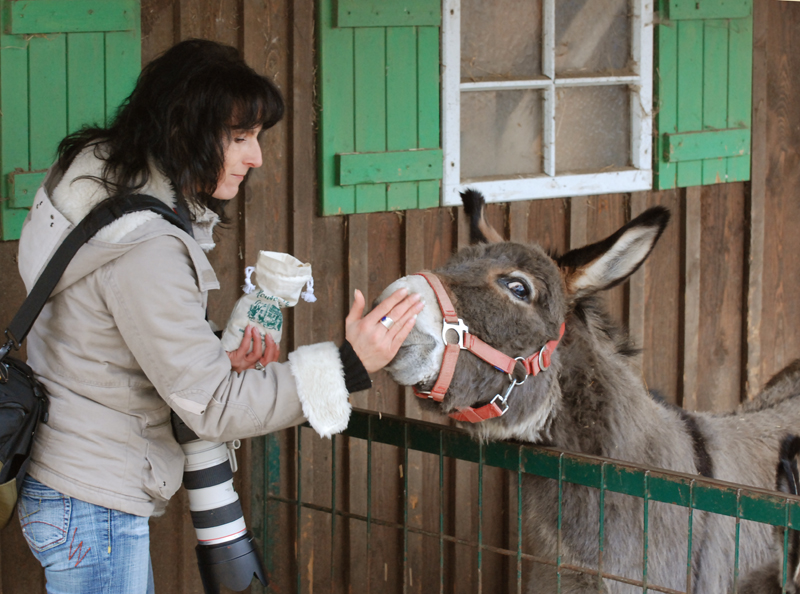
[(649, 484)]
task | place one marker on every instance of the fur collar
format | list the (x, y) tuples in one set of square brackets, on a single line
[(75, 198)]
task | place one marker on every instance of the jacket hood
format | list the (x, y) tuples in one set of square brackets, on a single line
[(65, 199)]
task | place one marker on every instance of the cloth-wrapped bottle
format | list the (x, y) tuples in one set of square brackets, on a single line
[(279, 282)]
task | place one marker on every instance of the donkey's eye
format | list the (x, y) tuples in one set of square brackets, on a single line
[(518, 288)]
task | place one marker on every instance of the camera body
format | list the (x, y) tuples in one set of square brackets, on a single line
[(226, 551)]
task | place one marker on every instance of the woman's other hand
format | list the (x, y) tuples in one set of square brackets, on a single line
[(373, 342), (246, 357)]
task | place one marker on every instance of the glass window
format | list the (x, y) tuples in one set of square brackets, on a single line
[(549, 97)]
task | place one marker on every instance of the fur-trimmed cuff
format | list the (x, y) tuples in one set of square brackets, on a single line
[(317, 370)]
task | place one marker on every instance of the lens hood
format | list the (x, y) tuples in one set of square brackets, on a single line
[(232, 564)]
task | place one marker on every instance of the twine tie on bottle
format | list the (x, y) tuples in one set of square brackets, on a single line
[(248, 287), (308, 294)]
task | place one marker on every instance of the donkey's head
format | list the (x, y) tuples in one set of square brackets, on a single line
[(516, 299)]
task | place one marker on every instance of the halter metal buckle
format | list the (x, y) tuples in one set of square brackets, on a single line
[(460, 329), (504, 398)]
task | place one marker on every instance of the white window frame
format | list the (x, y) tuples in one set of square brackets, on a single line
[(549, 185)]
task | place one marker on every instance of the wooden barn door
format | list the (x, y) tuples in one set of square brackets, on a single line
[(63, 64), (379, 92), (703, 82)]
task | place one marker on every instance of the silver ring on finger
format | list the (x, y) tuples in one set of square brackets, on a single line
[(259, 366), (387, 322)]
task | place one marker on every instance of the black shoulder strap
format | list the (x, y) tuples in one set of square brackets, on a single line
[(106, 212)]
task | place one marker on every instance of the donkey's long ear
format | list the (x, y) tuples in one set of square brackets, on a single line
[(480, 231), (607, 263)]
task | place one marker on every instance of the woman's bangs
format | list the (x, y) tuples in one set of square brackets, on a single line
[(259, 107)]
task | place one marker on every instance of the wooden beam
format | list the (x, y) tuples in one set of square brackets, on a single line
[(300, 119), (417, 463), (691, 295), (754, 261), (518, 213), (636, 286), (265, 225), (360, 540), (464, 476), (577, 221)]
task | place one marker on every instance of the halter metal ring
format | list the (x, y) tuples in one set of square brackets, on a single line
[(461, 329), (515, 380), (541, 362)]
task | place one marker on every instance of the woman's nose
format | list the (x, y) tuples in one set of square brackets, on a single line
[(254, 158)]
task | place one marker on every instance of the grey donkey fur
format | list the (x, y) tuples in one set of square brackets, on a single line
[(593, 400)]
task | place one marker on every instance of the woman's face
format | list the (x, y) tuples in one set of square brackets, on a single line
[(241, 153)]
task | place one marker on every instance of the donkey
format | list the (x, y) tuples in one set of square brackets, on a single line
[(583, 392), (769, 579)]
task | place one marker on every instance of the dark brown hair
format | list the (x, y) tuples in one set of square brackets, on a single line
[(183, 111)]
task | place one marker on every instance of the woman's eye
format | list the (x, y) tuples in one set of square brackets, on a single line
[(241, 139)]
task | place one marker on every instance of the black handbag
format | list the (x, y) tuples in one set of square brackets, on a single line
[(23, 399)]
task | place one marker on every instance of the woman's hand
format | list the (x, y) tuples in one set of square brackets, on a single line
[(373, 342), (245, 358)]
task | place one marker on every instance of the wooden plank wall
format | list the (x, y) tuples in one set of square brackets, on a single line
[(715, 310)]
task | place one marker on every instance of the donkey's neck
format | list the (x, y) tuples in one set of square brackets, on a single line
[(605, 409)]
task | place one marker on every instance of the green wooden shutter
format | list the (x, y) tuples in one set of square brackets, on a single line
[(63, 64), (379, 100), (703, 83)]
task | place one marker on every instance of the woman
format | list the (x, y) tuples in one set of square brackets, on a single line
[(124, 341)]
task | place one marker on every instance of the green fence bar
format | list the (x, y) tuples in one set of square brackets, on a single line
[(601, 528), (519, 525), (333, 507), (560, 515), (710, 495), (480, 516), (405, 510), (441, 513), (645, 527), (691, 492), (736, 545), (689, 548), (299, 491), (785, 564), (369, 502)]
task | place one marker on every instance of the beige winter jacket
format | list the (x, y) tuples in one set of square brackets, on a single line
[(124, 340)]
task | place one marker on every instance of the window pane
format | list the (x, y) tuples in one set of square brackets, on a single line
[(592, 37), (593, 128), (501, 39), (501, 133)]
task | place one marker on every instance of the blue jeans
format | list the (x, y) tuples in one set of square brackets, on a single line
[(85, 548)]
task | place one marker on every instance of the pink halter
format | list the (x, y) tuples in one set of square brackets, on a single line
[(537, 362)]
